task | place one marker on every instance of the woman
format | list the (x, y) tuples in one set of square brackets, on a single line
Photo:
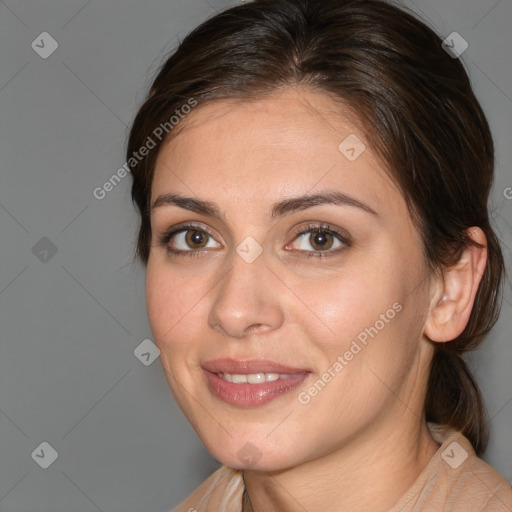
[(313, 201)]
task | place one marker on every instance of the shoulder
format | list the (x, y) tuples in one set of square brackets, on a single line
[(222, 490), (480, 487), (456, 480)]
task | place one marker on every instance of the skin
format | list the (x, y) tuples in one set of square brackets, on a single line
[(362, 441)]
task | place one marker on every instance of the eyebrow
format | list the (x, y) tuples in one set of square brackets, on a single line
[(279, 209)]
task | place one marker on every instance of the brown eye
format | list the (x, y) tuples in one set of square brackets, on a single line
[(321, 240), (196, 239), (188, 240)]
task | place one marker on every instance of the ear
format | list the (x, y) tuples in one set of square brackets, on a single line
[(453, 293)]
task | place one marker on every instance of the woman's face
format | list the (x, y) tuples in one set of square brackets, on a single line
[(342, 310)]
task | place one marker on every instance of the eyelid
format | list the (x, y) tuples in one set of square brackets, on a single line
[(341, 235), (344, 238), (323, 227), (166, 236)]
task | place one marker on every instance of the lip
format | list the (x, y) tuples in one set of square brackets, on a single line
[(251, 395)]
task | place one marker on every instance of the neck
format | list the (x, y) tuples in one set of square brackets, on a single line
[(371, 473)]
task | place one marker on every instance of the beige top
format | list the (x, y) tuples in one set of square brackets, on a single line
[(455, 480)]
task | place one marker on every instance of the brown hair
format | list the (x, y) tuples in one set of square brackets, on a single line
[(418, 111)]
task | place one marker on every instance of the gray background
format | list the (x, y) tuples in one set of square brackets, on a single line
[(70, 321)]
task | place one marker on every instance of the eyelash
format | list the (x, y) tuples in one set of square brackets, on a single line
[(324, 228)]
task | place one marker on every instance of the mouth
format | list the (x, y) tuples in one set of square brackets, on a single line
[(251, 383), (255, 378)]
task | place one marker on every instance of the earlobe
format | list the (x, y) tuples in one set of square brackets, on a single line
[(442, 320), (455, 291)]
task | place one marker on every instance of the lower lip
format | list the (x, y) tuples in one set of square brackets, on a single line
[(250, 395)]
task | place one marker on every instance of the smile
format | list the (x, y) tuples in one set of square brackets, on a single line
[(255, 378)]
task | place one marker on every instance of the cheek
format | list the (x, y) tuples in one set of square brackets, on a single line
[(170, 312), (167, 302), (160, 301), (367, 316), (347, 303), (176, 302)]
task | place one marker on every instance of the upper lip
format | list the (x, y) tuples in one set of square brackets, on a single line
[(249, 366)]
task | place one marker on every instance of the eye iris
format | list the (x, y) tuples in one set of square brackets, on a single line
[(318, 239), (195, 239)]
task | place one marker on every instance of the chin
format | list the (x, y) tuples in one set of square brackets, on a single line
[(258, 462), (239, 452)]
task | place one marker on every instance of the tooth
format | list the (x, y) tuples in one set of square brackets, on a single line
[(255, 378)]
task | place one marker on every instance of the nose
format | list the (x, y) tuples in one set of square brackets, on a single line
[(246, 300)]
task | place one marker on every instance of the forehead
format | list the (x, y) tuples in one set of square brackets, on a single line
[(291, 142)]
